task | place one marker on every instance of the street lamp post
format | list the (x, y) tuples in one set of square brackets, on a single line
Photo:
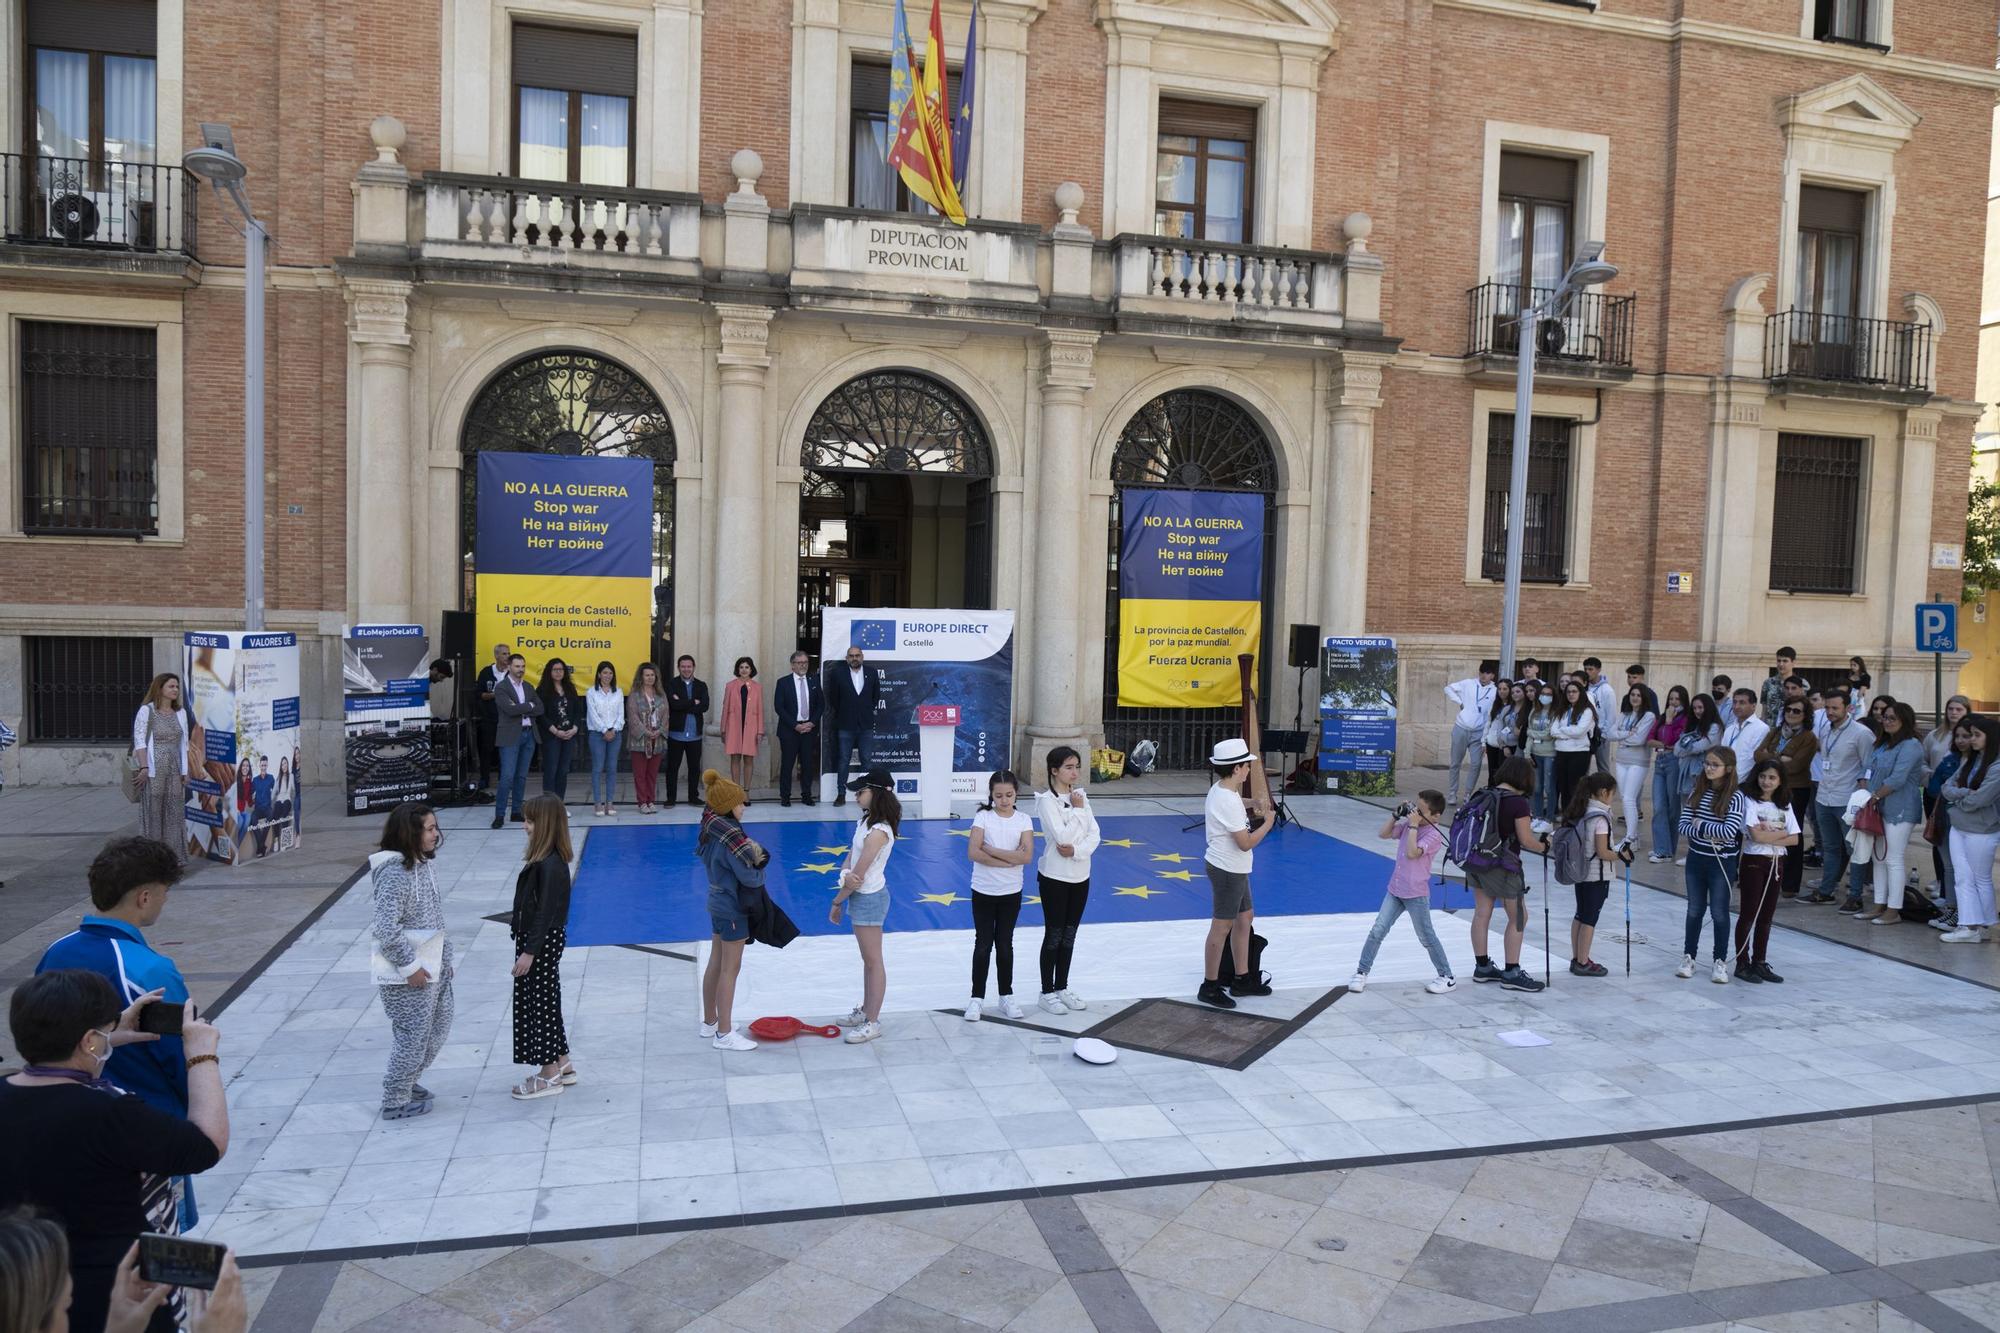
[(1589, 269), (216, 162)]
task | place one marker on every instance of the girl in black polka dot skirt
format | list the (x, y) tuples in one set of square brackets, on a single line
[(541, 911)]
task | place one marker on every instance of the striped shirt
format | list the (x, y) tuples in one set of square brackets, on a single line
[(1713, 835)]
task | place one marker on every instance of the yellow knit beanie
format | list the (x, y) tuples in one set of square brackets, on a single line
[(723, 795)]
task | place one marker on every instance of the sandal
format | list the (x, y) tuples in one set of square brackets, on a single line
[(566, 1075), (536, 1086)]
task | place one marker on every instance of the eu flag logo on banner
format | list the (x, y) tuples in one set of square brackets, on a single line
[(875, 636)]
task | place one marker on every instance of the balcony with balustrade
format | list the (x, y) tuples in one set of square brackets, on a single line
[(1206, 282), (135, 219), (485, 220), (1590, 343)]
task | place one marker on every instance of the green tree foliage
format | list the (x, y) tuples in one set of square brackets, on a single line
[(1982, 537)]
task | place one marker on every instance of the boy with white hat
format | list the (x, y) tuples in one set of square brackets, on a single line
[(1231, 841)]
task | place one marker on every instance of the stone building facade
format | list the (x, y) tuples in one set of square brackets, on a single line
[(1263, 245)]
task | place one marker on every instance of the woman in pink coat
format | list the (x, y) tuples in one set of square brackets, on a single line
[(742, 707)]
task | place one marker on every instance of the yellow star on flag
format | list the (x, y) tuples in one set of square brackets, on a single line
[(1174, 857), (830, 851), (1142, 891), (821, 867), (960, 832), (1033, 902), (1119, 842), (1177, 874), (941, 899)]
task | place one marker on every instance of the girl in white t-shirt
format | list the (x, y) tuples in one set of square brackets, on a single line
[(1769, 829), (864, 890), (1003, 841)]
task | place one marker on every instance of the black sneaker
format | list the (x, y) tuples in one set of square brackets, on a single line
[(1764, 973), (1244, 986), (1211, 992), (1515, 979), (1818, 899), (498, 821), (1852, 907), (785, 802), (518, 818), (1486, 972), (1748, 972)]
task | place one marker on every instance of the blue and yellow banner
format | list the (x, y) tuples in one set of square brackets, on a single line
[(564, 559), (1190, 596)]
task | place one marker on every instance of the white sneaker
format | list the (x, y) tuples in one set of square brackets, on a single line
[(708, 1031), (974, 1011), (1071, 1000), (1010, 1007), (1721, 974), (733, 1040), (1654, 858), (1441, 985), (1680, 860), (1686, 969), (855, 1017), (1051, 1003), (1964, 935), (865, 1032), (1359, 984)]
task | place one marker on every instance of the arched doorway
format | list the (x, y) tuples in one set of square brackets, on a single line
[(1187, 440), (575, 403), (895, 509)]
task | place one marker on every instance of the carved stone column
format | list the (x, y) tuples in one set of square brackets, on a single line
[(1061, 544), (736, 612), (1355, 395), (379, 322)]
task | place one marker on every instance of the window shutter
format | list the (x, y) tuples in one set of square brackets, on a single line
[(117, 27), (1816, 513), (1825, 209), (576, 60), (868, 88), (1208, 120), (1533, 176)]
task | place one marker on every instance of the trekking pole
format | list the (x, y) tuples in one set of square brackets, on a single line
[(1548, 967), (1628, 918)]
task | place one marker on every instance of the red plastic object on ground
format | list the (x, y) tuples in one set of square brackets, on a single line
[(784, 1029)]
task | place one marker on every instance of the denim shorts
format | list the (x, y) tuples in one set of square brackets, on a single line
[(868, 909), (725, 914)]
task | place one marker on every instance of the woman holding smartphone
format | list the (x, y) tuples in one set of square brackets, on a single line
[(93, 1156)]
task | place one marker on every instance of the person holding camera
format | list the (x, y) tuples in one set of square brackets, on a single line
[(1418, 838), (93, 1156), (129, 881), (34, 1273)]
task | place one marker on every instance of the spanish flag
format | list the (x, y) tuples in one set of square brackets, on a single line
[(921, 152)]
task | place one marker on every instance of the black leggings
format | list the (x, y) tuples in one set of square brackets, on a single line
[(1062, 913), (1571, 768), (993, 918)]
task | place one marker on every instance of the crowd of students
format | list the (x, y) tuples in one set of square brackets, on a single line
[(1740, 781)]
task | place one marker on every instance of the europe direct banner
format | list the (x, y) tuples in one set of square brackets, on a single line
[(243, 786), (931, 657), (564, 559), (1190, 596)]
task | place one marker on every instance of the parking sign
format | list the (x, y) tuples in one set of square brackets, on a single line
[(1937, 627)]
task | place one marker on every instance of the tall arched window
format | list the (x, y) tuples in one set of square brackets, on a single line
[(895, 507), (1187, 440), (575, 403)]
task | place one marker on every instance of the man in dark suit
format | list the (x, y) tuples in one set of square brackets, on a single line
[(687, 706), (852, 692), (489, 716), (800, 704)]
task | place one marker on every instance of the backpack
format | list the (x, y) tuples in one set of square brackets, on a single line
[(1573, 849), (1225, 971), (1478, 835)]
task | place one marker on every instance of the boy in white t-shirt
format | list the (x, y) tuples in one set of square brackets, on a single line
[(1231, 841), (1003, 841)]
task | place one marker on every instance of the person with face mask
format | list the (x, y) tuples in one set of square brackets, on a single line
[(88, 1153), (1541, 749)]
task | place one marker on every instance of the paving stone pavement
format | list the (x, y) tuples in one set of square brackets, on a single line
[(1833, 1220)]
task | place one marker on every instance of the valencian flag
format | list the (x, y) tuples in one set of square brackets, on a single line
[(922, 149)]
